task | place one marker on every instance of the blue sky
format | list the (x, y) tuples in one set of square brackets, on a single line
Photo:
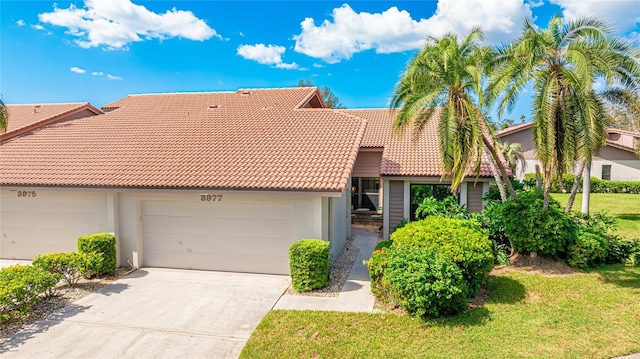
[(102, 50)]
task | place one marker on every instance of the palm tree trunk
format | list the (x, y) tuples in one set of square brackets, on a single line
[(538, 177), (496, 175), (496, 159), (548, 180), (586, 189), (574, 189)]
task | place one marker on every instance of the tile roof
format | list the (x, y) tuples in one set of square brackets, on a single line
[(404, 155), (250, 139), (26, 116)]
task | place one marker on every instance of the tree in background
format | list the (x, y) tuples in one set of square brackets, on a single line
[(4, 117), (447, 73), (564, 61), (330, 99)]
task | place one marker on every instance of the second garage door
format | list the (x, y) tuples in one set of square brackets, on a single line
[(238, 237)]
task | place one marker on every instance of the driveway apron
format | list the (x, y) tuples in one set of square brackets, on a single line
[(155, 313)]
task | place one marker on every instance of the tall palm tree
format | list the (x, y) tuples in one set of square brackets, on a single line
[(447, 73), (564, 61), (4, 117)]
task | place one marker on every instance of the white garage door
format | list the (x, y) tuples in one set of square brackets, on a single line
[(34, 222), (218, 236)]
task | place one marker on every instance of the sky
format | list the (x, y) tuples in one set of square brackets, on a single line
[(99, 51)]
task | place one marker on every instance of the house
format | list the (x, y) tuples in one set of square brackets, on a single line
[(214, 181), (615, 161), (392, 171), (23, 118)]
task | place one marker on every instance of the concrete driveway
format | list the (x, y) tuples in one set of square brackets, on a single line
[(155, 313)]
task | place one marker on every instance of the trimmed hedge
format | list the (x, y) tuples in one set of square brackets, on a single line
[(309, 264), (597, 185), (21, 286), (70, 265), (103, 244), (425, 283), (462, 241)]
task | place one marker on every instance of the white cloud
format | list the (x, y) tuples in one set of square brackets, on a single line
[(266, 55), (623, 14), (533, 3), (20, 22), (97, 73), (394, 30), (77, 70), (113, 77), (37, 27), (115, 24)]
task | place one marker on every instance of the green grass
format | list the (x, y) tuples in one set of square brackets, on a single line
[(590, 315), (625, 208)]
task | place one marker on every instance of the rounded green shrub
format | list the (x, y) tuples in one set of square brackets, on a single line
[(587, 251), (21, 286), (530, 228), (70, 265), (103, 244), (425, 283), (383, 244), (309, 264), (463, 241)]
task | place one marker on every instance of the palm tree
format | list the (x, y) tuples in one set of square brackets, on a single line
[(447, 74), (4, 117), (512, 152), (564, 61)]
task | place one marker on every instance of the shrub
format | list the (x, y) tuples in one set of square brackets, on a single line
[(21, 286), (529, 228), (425, 283), (463, 241), (69, 265), (103, 244), (309, 264), (376, 266), (383, 244), (491, 220), (587, 251), (447, 207), (619, 250), (402, 223)]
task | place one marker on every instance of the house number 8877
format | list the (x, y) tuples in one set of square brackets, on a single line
[(211, 197)]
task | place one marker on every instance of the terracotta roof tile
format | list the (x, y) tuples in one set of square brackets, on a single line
[(27, 116), (404, 155), (258, 140)]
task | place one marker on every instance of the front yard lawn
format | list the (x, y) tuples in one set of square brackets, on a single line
[(585, 315), (625, 208)]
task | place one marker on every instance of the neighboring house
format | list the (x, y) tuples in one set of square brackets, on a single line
[(214, 181), (391, 171), (615, 161), (24, 118)]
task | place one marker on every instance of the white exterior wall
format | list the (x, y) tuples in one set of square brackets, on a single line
[(340, 223), (621, 170)]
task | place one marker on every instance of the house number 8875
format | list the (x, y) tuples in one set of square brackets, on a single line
[(211, 197)]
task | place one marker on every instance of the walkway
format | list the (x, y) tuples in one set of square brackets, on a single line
[(356, 293)]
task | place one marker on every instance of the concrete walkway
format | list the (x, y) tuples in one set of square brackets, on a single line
[(356, 293)]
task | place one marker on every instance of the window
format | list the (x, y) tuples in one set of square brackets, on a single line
[(421, 191), (365, 192), (606, 172)]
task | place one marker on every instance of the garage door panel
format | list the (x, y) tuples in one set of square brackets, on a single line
[(208, 226), (207, 261), (218, 210), (45, 220), (244, 237), (220, 244), (50, 222)]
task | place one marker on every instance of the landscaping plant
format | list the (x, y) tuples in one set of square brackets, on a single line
[(21, 286), (103, 244), (309, 264), (70, 265)]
